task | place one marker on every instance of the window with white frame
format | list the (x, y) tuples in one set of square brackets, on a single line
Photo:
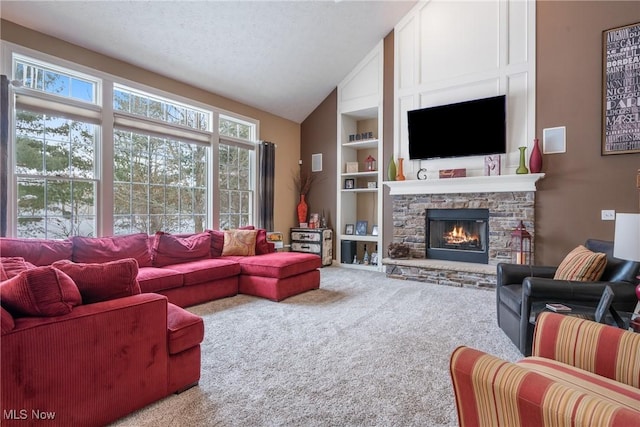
[(236, 180), (56, 140), (161, 156), (161, 153)]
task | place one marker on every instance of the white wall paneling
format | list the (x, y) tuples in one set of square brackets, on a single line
[(361, 89), (452, 51)]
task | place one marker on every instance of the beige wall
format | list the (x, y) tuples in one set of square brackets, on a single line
[(285, 133)]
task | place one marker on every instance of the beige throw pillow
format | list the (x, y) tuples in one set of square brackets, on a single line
[(239, 242)]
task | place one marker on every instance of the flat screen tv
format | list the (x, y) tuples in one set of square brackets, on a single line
[(469, 128)]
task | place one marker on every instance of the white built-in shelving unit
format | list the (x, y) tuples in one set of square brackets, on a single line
[(360, 112)]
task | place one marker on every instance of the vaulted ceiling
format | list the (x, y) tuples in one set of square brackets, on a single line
[(283, 57)]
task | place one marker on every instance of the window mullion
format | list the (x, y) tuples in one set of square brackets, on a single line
[(105, 200)]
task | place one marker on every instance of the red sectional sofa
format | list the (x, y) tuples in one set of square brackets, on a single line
[(90, 335)]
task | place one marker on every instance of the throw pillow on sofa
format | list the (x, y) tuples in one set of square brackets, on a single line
[(105, 281), (171, 249), (105, 249), (40, 291), (262, 245), (239, 242), (582, 265), (12, 266)]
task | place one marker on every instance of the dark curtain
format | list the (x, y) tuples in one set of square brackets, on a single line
[(267, 161), (4, 150)]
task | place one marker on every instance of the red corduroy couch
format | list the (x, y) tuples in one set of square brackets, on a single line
[(581, 373), (108, 336)]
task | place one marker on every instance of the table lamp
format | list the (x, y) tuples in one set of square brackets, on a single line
[(626, 244)]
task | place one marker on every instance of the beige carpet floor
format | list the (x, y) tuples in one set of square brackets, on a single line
[(364, 350)]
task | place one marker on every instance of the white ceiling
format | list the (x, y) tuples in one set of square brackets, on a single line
[(283, 57)]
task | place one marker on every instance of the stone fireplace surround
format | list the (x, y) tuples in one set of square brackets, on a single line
[(509, 199)]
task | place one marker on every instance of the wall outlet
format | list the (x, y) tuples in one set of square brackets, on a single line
[(608, 215)]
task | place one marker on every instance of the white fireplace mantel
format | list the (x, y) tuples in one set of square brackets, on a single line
[(470, 184)]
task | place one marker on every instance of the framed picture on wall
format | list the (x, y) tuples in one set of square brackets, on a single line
[(621, 90)]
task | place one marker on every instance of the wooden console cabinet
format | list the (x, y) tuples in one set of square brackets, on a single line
[(317, 241)]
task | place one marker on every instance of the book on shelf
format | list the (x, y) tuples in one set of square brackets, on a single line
[(558, 308)]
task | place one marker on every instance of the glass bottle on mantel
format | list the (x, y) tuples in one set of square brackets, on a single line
[(365, 259)]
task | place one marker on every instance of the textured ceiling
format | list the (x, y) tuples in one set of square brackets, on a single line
[(281, 57)]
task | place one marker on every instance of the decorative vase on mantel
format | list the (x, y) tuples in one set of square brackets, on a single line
[(522, 169), (391, 170), (535, 160), (302, 210), (400, 176)]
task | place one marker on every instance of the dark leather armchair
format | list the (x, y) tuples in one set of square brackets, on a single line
[(519, 286)]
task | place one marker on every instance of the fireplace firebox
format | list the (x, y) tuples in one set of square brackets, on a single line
[(458, 235)]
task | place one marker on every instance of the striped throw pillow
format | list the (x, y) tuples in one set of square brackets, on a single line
[(582, 265)]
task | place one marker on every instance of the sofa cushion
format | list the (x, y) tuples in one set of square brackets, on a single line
[(154, 279), (40, 291), (105, 249), (12, 266), (103, 281), (217, 242), (239, 242), (185, 329), (262, 246), (585, 381), (170, 249), (36, 251), (6, 321), (206, 270), (581, 264), (279, 264)]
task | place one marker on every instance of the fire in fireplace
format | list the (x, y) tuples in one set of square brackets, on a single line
[(458, 235)]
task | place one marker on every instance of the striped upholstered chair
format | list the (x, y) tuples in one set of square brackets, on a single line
[(581, 373)]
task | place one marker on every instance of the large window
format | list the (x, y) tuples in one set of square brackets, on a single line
[(235, 189), (159, 184), (161, 154), (158, 153), (55, 151), (236, 181), (55, 175)]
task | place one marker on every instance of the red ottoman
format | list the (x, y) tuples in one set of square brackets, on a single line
[(279, 275)]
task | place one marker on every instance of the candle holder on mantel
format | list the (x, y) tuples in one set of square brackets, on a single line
[(520, 245)]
